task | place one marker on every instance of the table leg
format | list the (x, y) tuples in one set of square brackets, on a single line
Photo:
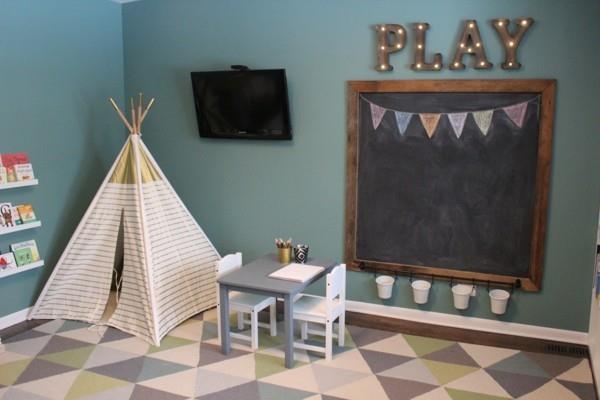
[(288, 308), (224, 309)]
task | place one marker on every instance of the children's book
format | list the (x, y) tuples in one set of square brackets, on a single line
[(26, 213), (25, 252), (23, 256), (16, 217), (7, 261), (10, 160), (6, 215), (3, 175), (24, 172)]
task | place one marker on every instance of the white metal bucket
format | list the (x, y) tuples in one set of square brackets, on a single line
[(385, 285), (462, 295), (499, 300), (421, 291)]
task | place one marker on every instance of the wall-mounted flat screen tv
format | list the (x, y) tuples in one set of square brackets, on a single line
[(242, 104)]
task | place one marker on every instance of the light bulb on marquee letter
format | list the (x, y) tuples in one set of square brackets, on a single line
[(470, 43), (420, 64), (511, 42), (391, 38)]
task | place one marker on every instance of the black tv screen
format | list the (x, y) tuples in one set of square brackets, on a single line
[(248, 104)]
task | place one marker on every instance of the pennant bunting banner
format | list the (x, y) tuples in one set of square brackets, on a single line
[(483, 119), (457, 120), (402, 120), (429, 122), (516, 113), (377, 114)]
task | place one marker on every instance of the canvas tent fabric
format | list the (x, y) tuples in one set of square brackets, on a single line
[(169, 264)]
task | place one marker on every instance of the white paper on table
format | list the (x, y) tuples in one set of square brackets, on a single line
[(297, 272)]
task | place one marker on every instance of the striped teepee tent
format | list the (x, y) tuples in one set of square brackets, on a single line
[(168, 262)]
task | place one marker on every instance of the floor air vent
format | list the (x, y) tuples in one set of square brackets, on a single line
[(567, 350)]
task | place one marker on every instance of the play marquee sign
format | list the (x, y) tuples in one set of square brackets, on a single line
[(391, 38)]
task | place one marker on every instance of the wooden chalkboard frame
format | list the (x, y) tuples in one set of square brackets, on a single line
[(544, 87)]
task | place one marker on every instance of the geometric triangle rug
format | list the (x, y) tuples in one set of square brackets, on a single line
[(67, 360)]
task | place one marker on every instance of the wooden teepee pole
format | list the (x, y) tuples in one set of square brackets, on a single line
[(146, 111), (133, 117), (127, 124), (139, 115)]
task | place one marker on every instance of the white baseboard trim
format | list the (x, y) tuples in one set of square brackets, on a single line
[(14, 318), (595, 363), (473, 323), (427, 317)]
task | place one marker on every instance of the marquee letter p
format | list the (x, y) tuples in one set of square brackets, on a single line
[(391, 38)]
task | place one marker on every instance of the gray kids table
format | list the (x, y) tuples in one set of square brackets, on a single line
[(254, 278)]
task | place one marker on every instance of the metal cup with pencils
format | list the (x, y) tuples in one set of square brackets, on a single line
[(284, 250)]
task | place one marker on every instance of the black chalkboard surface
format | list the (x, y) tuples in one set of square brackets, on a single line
[(450, 181)]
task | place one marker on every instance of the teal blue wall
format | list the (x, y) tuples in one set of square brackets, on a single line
[(59, 61), (245, 193)]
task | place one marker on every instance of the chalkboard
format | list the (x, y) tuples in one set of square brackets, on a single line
[(449, 178)]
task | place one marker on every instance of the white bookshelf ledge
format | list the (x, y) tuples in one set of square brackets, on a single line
[(9, 272), (22, 227), (11, 185)]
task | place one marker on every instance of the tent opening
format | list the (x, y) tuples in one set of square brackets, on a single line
[(117, 273)]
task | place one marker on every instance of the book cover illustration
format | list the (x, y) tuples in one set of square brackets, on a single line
[(24, 172), (16, 217), (6, 215), (26, 213), (23, 256), (25, 252), (3, 175), (10, 160), (7, 261)]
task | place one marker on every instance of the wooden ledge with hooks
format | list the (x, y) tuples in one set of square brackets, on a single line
[(411, 275), (137, 116)]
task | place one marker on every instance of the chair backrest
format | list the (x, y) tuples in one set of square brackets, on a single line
[(336, 283), (229, 263)]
